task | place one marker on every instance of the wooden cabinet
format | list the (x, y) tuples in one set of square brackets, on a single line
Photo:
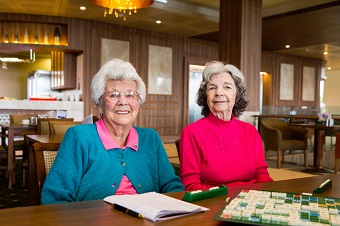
[(63, 70)]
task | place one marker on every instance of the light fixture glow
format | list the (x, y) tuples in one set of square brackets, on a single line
[(158, 22), (18, 60), (325, 53), (82, 8), (329, 68), (287, 46), (117, 7)]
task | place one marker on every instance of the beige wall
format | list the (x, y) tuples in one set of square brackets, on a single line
[(332, 85), (13, 80)]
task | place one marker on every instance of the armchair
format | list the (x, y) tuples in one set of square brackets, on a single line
[(278, 136)]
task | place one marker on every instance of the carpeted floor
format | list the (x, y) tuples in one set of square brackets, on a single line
[(15, 197)]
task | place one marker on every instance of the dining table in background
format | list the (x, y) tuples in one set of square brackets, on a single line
[(319, 140), (101, 213), (33, 187), (10, 131)]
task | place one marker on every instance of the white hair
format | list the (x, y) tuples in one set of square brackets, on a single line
[(119, 70)]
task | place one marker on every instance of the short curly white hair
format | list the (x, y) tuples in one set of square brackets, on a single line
[(116, 69)]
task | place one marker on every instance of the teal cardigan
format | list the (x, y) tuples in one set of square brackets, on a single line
[(84, 170)]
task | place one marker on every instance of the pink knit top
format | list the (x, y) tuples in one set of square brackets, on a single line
[(215, 152)]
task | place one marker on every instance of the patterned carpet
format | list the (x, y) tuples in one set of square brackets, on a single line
[(15, 197)]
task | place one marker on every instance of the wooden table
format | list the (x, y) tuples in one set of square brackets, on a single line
[(319, 138), (9, 131), (33, 186), (100, 213)]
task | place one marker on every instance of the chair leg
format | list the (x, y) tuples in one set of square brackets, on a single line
[(331, 143), (305, 158), (278, 159)]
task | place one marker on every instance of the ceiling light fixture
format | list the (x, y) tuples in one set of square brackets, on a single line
[(122, 6), (18, 60)]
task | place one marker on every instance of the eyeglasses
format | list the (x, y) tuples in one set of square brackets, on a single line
[(114, 96)]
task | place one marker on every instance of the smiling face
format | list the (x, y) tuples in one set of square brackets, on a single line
[(221, 95), (122, 112)]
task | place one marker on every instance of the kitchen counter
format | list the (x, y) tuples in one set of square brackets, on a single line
[(74, 109)]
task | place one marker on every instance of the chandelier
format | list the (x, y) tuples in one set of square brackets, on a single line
[(122, 6)]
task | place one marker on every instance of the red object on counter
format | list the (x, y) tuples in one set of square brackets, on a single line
[(44, 98)]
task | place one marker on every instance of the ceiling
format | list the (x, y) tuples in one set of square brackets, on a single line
[(310, 27)]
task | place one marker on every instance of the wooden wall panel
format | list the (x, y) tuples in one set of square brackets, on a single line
[(162, 116)]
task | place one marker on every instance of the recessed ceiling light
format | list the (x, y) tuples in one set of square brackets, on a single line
[(329, 68), (158, 22), (287, 46), (82, 7), (325, 53)]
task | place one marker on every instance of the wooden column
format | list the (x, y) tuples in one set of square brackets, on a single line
[(240, 42)]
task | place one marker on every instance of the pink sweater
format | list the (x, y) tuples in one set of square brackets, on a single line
[(215, 152)]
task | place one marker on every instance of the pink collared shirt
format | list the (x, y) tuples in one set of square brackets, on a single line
[(125, 186)]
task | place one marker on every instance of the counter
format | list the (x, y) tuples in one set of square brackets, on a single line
[(74, 109)]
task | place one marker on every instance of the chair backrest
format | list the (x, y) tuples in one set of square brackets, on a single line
[(17, 118), (43, 124), (44, 154), (177, 147), (277, 124), (60, 127), (337, 145)]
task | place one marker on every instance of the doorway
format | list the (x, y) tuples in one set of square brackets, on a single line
[(195, 78)]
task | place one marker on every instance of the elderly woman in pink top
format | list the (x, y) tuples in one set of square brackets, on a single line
[(219, 148)]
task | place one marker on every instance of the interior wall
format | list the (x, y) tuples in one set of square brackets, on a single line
[(14, 78), (331, 95)]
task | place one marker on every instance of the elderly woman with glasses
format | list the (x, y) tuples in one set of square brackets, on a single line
[(219, 148), (111, 157)]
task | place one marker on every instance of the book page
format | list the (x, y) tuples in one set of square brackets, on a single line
[(155, 206)]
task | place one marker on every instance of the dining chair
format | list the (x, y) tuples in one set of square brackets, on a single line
[(177, 147), (337, 153), (44, 154), (278, 136), (19, 144), (60, 127), (331, 133), (43, 124), (3, 161), (17, 118)]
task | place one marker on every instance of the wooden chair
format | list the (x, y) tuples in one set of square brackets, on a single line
[(177, 147), (43, 124), (60, 127), (19, 144), (17, 118), (332, 133), (278, 136), (45, 154), (3, 160), (337, 153)]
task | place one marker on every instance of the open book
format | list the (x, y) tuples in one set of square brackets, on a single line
[(155, 206)]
